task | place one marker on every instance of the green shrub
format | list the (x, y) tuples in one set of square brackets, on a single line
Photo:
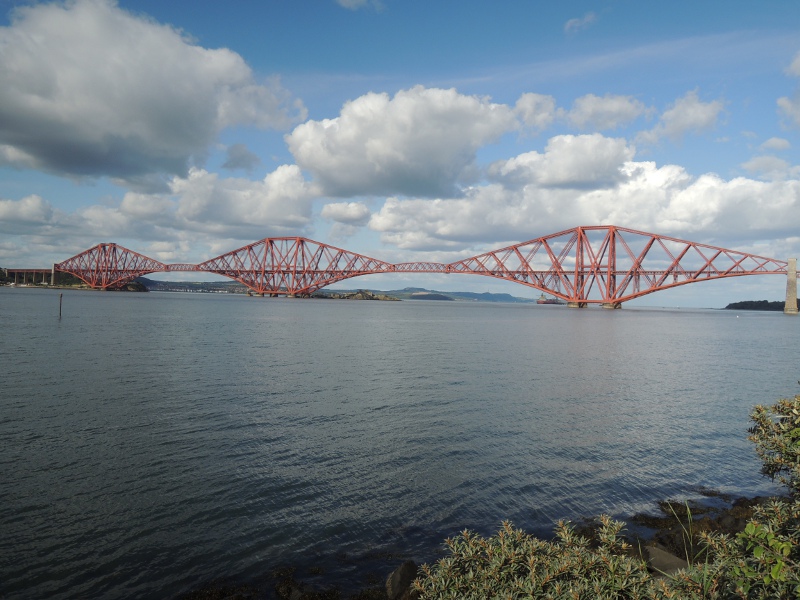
[(514, 564), (776, 434), (763, 561)]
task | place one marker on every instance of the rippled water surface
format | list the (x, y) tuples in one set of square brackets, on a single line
[(153, 442)]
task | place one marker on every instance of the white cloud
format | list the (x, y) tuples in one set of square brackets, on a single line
[(666, 199), (537, 111), (203, 215), (19, 215), (417, 143), (88, 89), (146, 206), (280, 204), (687, 114), (577, 24), (790, 108), (569, 161), (277, 205), (794, 68), (776, 143), (770, 168), (238, 156), (603, 113), (352, 213)]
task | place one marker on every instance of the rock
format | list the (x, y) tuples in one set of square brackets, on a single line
[(662, 562), (398, 584)]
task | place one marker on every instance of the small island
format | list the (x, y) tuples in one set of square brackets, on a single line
[(359, 295), (777, 305)]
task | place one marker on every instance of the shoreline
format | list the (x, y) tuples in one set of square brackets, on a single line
[(658, 537)]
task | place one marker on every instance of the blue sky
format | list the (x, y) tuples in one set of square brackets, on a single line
[(402, 130)]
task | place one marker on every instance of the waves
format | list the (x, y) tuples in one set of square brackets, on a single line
[(154, 444)]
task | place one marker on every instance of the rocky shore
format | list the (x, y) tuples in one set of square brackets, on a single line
[(667, 539)]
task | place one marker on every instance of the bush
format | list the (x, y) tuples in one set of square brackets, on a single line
[(514, 564), (763, 561)]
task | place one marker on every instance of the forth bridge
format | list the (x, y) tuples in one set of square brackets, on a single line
[(601, 264)]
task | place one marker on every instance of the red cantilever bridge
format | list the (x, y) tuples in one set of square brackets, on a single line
[(601, 264)]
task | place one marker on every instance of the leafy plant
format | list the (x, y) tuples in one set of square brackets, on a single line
[(514, 564), (776, 434)]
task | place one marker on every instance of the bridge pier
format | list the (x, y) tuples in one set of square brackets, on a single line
[(611, 305), (577, 304), (790, 308)]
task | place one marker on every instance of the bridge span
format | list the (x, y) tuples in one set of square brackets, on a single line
[(600, 264)]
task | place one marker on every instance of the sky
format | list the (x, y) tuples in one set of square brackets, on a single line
[(399, 129)]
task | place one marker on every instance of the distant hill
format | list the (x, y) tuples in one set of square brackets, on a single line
[(429, 296), (409, 293), (213, 287), (414, 293), (758, 305)]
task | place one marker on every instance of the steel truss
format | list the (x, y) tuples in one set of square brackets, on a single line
[(292, 266), (601, 264), (605, 264), (109, 266)]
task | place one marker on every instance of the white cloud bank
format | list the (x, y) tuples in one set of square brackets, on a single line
[(406, 167), (604, 113), (417, 143), (790, 107), (688, 114), (88, 89), (583, 180)]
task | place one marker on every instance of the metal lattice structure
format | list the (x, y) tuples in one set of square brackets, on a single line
[(609, 265), (292, 266), (109, 266), (601, 264)]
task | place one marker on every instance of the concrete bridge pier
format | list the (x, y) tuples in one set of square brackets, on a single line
[(577, 304), (611, 305), (790, 308)]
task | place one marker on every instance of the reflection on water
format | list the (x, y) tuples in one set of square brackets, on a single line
[(151, 442)]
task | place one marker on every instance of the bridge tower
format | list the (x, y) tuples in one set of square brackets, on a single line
[(790, 308)]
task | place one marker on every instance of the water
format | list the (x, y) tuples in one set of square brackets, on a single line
[(150, 443)]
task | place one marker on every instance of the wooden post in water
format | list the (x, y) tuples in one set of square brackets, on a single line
[(790, 308)]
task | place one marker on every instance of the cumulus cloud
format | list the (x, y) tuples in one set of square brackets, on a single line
[(603, 113), (202, 215), (537, 111), (348, 218), (687, 114), (240, 157), (351, 213), (278, 204), (88, 89), (770, 167), (569, 161), (776, 143), (417, 143), (789, 108), (578, 24), (522, 203), (19, 215), (794, 68)]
